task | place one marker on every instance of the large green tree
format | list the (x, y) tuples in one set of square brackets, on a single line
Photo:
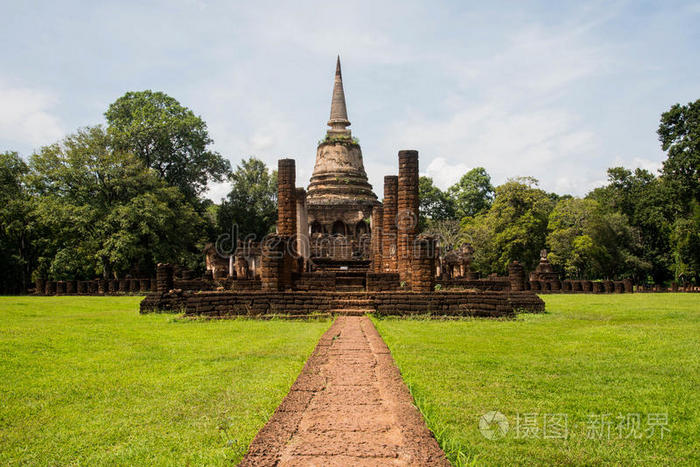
[(251, 206), (17, 227), (168, 138), (685, 246), (585, 242), (647, 203), (514, 228), (107, 213), (679, 133), (473, 193)]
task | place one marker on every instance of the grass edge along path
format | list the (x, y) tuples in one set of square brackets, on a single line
[(87, 380), (590, 358)]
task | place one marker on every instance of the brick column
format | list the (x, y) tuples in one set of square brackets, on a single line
[(164, 277), (50, 288), (407, 216), (286, 198), (391, 184), (423, 265), (516, 276), (303, 247), (628, 286), (377, 226), (272, 249)]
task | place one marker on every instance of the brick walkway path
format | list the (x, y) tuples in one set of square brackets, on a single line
[(349, 406)]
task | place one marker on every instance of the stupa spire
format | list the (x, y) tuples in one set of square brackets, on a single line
[(339, 113)]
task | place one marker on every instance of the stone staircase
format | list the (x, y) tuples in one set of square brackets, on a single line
[(352, 306), (350, 283)]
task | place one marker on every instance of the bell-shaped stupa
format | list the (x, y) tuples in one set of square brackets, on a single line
[(339, 176)]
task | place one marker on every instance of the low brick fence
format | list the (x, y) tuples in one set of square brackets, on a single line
[(95, 287), (602, 287)]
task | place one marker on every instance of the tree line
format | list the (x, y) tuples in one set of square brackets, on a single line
[(640, 225), (118, 198)]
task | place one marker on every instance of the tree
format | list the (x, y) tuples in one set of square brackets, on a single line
[(168, 138), (571, 248), (447, 232), (685, 246), (106, 212), (435, 205), (679, 134), (587, 243), (473, 194), (17, 229), (514, 228), (251, 206), (647, 204)]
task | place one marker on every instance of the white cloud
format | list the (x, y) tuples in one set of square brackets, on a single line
[(516, 123), (26, 118), (445, 173)]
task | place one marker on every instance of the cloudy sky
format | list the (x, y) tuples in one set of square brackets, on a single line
[(556, 90)]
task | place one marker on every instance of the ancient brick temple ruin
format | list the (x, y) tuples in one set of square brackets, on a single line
[(338, 249)]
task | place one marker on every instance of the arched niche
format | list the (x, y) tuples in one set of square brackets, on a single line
[(339, 228), (361, 228), (316, 228)]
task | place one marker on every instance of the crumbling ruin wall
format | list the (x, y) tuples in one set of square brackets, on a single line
[(383, 281), (323, 280), (500, 284), (258, 304)]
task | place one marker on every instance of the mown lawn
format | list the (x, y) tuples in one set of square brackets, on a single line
[(87, 380), (561, 379)]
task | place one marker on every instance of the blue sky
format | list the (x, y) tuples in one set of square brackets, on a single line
[(556, 90)]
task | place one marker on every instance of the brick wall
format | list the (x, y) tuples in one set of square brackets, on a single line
[(227, 304), (383, 281)]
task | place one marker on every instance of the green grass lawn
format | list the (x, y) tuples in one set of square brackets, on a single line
[(588, 356), (87, 380)]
